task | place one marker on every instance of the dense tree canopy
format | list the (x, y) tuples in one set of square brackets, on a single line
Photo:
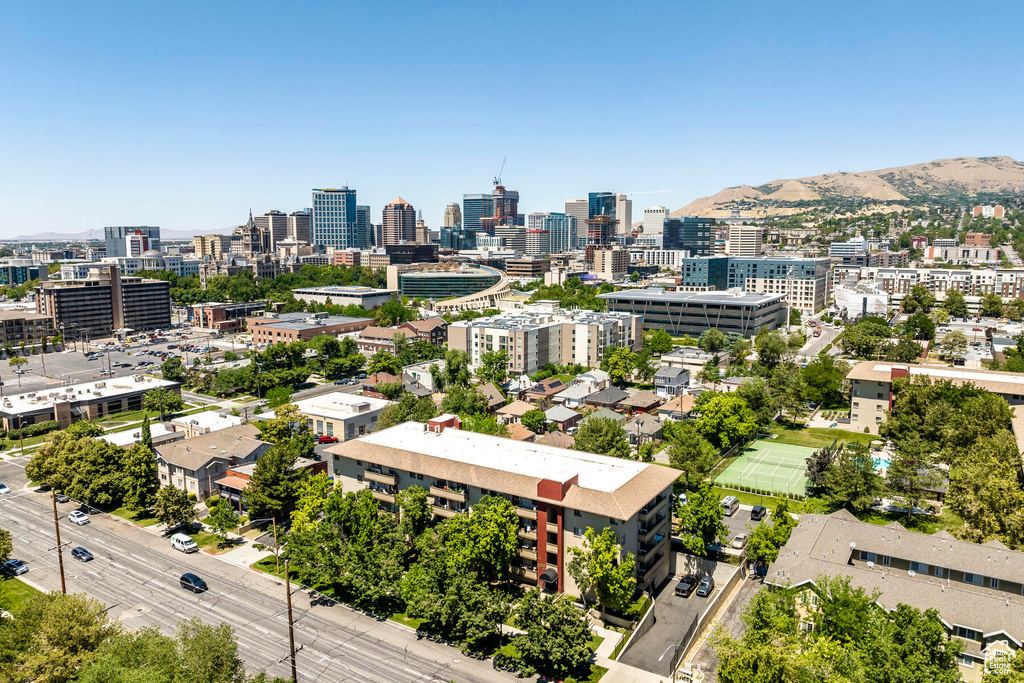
[(602, 435)]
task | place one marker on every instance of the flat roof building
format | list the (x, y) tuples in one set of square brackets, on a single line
[(341, 415), (563, 491), (365, 297), (694, 312), (289, 327), (224, 317), (85, 401)]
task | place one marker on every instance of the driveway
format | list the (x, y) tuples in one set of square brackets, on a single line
[(672, 618), (732, 621)]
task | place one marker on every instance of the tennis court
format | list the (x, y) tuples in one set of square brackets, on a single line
[(769, 467)]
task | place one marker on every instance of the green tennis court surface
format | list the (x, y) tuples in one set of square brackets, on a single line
[(770, 467)]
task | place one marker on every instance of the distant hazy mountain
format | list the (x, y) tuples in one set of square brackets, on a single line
[(878, 189), (98, 235)]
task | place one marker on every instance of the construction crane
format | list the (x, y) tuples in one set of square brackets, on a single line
[(497, 178)]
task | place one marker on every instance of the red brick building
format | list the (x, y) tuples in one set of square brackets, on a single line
[(289, 327)]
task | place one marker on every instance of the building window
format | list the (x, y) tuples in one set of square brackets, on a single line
[(576, 531), (967, 633), (993, 583), (886, 560), (613, 521), (975, 579), (965, 660), (918, 567), (867, 557)]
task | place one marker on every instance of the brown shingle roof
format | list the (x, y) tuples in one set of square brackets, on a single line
[(520, 433), (428, 324), (679, 404), (386, 333), (517, 409), (641, 399), (238, 443)]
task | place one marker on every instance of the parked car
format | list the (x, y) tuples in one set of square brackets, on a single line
[(171, 346), (191, 582), (686, 586), (758, 513), (328, 439), (4, 489), (78, 517), (341, 381), (707, 585), (81, 554), (62, 497), (14, 567), (739, 542)]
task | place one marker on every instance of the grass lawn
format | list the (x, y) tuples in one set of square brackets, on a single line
[(143, 518), (211, 542), (746, 498), (14, 592), (402, 618), (927, 524), (815, 437), (268, 565)]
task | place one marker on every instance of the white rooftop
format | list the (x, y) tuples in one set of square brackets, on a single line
[(597, 472), (954, 373), (35, 401), (209, 421), (339, 405), (130, 437)]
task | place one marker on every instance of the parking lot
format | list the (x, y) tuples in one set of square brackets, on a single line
[(739, 522)]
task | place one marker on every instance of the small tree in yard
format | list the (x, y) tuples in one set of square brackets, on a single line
[(222, 519), (535, 421), (596, 566), (556, 637), (17, 362), (6, 546), (163, 402), (602, 435), (173, 507), (700, 520)]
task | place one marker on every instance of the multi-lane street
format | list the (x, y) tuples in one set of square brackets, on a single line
[(136, 573)]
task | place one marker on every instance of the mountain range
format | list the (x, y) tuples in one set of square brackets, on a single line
[(879, 190), (98, 235)]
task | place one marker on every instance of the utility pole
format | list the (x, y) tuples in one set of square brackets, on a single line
[(60, 549), (291, 630), (277, 550)]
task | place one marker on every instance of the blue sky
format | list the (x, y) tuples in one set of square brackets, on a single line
[(185, 115)]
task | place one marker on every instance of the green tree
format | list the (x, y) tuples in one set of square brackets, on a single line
[(709, 374), (484, 424), (712, 340), (984, 491), (787, 388), (140, 482), (700, 520), (618, 362), (173, 508), (172, 369), (414, 511), (598, 566), (725, 420), (313, 494), (462, 400), (535, 421), (53, 637), (146, 438), (955, 304), (823, 380), (920, 326), (383, 361), (991, 305), (17, 362), (795, 316), (556, 637), (222, 519), (275, 484), (278, 396), (772, 349), (290, 430), (486, 541), (691, 453), (918, 300), (454, 373), (755, 392), (494, 367), (602, 435), (6, 545), (408, 407), (163, 401), (851, 481), (658, 341)]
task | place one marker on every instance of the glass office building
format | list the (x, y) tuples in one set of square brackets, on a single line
[(334, 218), (691, 233), (475, 207)]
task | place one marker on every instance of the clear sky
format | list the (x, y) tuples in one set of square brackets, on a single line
[(185, 115)]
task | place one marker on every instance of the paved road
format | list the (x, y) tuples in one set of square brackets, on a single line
[(135, 574), (1011, 255), (814, 344), (732, 621)]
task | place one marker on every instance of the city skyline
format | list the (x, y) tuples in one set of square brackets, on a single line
[(117, 122)]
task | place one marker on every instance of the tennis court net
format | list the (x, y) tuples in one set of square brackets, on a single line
[(789, 464)]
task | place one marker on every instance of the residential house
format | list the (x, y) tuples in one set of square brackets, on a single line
[(369, 384), (519, 432), (642, 401), (192, 465), (561, 417), (545, 389), (670, 381), (607, 414), (688, 358), (495, 399), (419, 373), (730, 384), (433, 330), (205, 422), (373, 339), (557, 440), (677, 407), (513, 412), (606, 398), (232, 486), (575, 396), (596, 378), (643, 428)]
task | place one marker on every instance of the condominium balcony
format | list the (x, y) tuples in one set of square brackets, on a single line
[(527, 573), (552, 527), (381, 477), (448, 493), (383, 496), (530, 533), (528, 553), (526, 513), (445, 511)]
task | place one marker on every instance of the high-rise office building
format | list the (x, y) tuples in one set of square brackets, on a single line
[(475, 207), (654, 220), (363, 229), (561, 229), (505, 206), (746, 240), (601, 204), (399, 223), (452, 216), (334, 218), (580, 209), (115, 237), (274, 225), (299, 226), (691, 233), (514, 236), (538, 242), (602, 218), (624, 214)]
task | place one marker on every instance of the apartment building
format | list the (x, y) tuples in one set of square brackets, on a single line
[(871, 388), (532, 268), (193, 464), (105, 302), (341, 415), (19, 328), (557, 492), (213, 246), (976, 588), (545, 333), (663, 258), (611, 264), (805, 282), (224, 317), (963, 255), (746, 241), (694, 312), (973, 283)]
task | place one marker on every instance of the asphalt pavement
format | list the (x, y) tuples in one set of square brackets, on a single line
[(136, 573)]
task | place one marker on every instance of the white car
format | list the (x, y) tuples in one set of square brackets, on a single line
[(78, 517), (4, 488)]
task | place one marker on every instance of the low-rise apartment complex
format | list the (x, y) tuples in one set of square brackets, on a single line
[(225, 318), (977, 589), (557, 493), (546, 333), (194, 465), (343, 416)]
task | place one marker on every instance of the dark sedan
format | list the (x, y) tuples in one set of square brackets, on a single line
[(81, 554)]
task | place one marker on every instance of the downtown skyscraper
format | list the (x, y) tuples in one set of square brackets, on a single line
[(334, 218)]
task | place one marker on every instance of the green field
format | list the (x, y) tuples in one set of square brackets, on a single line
[(13, 592), (769, 466)]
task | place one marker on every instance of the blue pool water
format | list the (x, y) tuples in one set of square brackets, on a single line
[(881, 462)]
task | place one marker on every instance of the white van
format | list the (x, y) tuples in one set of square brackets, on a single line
[(183, 543), (731, 505)]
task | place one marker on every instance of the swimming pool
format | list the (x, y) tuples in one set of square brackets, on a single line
[(882, 462)]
